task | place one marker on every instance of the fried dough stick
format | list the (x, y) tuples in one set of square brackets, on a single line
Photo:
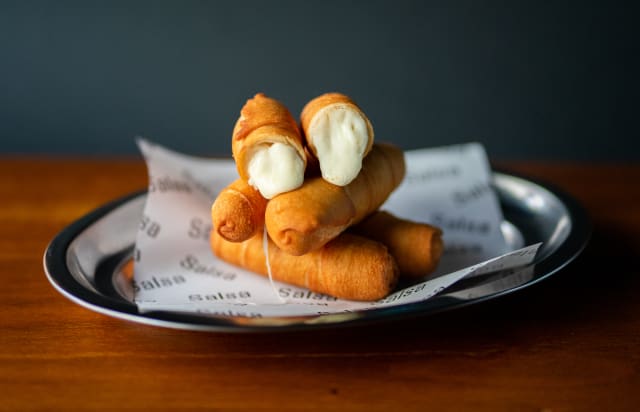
[(267, 147), (339, 134), (305, 219), (349, 267), (238, 212), (417, 247)]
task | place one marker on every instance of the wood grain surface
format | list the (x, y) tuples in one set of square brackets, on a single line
[(571, 342)]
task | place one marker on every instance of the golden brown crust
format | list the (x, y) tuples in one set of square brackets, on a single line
[(238, 211), (263, 120), (327, 99), (349, 267), (306, 218), (417, 247)]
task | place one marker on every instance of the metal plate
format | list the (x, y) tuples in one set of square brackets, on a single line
[(84, 262)]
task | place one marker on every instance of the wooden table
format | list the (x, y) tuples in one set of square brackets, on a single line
[(571, 342)]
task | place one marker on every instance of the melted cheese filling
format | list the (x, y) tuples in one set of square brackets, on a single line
[(275, 169), (340, 137)]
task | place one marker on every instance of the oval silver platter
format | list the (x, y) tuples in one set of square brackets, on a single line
[(84, 262)]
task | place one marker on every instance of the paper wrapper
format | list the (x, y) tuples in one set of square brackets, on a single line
[(174, 268)]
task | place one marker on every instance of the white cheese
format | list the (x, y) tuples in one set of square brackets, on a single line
[(275, 168), (340, 136)]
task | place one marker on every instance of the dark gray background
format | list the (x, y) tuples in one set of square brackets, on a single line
[(555, 80)]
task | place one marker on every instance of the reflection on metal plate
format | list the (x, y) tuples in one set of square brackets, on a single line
[(89, 262)]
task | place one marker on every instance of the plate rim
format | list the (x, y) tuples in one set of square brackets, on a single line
[(54, 263)]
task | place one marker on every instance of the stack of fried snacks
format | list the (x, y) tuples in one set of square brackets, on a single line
[(325, 234)]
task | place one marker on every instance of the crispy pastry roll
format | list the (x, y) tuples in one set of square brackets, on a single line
[(267, 147), (306, 218), (417, 247), (238, 212), (349, 267), (339, 134)]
